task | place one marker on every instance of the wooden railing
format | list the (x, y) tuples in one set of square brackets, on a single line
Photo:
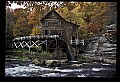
[(37, 36), (77, 42)]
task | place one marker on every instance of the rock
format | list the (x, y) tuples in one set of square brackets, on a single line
[(109, 61), (114, 45), (9, 59), (36, 61), (76, 65), (55, 64), (97, 58), (102, 39), (108, 49), (49, 62), (110, 53), (107, 45)]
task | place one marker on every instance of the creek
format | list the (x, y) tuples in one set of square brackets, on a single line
[(28, 69)]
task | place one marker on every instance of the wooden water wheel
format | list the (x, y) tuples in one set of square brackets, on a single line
[(59, 47)]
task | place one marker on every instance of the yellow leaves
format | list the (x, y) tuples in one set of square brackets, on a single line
[(76, 10), (31, 22), (33, 18), (36, 31), (91, 33), (21, 22), (16, 32), (84, 35)]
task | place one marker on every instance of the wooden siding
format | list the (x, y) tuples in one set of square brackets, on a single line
[(54, 24)]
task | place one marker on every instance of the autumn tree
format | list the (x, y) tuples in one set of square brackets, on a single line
[(111, 13), (9, 27), (91, 16), (21, 26), (34, 21)]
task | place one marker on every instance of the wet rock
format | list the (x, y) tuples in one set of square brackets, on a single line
[(107, 45), (97, 58), (108, 49), (109, 61), (51, 62), (102, 50), (110, 53), (76, 65), (55, 64)]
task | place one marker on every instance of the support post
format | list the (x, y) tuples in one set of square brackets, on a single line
[(29, 49), (30, 44), (46, 45)]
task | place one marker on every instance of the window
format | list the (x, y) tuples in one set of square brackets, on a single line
[(46, 32), (53, 23), (54, 32), (46, 23), (60, 32), (73, 37), (59, 23)]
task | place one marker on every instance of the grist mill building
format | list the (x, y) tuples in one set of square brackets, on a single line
[(58, 35), (54, 24)]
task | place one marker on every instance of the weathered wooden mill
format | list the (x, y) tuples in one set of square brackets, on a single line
[(58, 35)]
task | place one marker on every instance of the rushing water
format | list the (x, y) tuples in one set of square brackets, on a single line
[(27, 69)]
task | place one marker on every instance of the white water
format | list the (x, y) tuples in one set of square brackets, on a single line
[(97, 69), (28, 71), (32, 68), (53, 75)]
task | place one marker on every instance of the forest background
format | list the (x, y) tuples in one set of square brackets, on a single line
[(92, 17)]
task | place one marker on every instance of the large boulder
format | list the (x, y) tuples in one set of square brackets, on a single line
[(76, 65), (109, 61), (52, 62)]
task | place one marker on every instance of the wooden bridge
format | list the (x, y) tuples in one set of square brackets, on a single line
[(51, 43), (30, 41)]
